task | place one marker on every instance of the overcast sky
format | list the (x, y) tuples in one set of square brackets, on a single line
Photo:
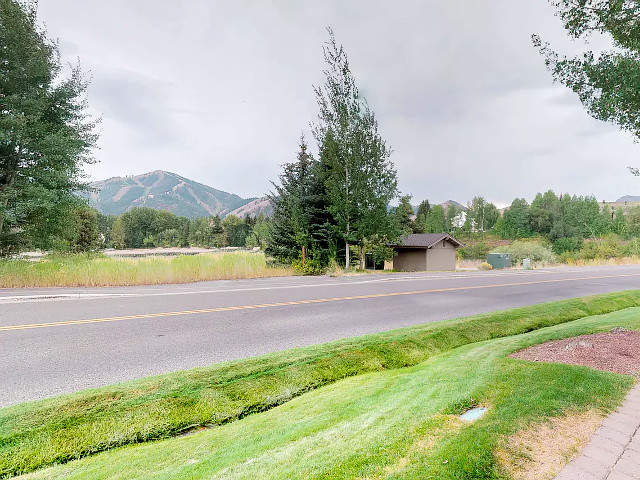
[(219, 92)]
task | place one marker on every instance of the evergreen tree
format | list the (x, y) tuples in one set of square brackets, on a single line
[(45, 134), (403, 213), (421, 216), (87, 233), (299, 216)]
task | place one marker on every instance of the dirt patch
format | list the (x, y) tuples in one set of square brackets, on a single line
[(540, 451), (616, 351)]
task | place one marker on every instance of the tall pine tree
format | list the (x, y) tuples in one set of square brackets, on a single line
[(299, 213), (45, 134)]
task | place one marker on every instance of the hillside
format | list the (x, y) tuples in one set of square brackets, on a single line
[(628, 198), (163, 191), (446, 204), (254, 208)]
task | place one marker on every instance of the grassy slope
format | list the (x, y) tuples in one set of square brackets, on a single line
[(395, 424), (81, 270), (57, 430)]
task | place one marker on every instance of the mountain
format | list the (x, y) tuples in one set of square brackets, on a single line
[(446, 204), (628, 198), (254, 208), (163, 191)]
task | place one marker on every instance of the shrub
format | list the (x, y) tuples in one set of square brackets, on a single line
[(567, 244), (311, 266), (476, 251), (608, 247), (485, 266), (519, 250), (632, 249)]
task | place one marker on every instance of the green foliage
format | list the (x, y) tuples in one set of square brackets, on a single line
[(314, 264), (403, 213), (259, 235), (358, 176), (482, 215), (619, 224), (538, 253), (435, 221), (45, 133), (558, 219), (567, 244), (632, 249), (475, 251), (236, 230), (608, 247), (300, 217), (633, 221), (424, 209), (145, 227), (515, 221)]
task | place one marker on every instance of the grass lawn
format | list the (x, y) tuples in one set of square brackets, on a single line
[(393, 424), (94, 271), (37, 434)]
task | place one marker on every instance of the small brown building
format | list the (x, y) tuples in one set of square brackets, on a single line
[(421, 252)]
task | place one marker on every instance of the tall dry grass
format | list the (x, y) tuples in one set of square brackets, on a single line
[(94, 271)]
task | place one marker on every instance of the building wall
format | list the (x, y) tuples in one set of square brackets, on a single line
[(442, 256), (410, 260)]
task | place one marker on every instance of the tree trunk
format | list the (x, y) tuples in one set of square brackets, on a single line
[(347, 261), (361, 257)]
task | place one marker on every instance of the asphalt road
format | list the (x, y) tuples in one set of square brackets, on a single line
[(55, 341)]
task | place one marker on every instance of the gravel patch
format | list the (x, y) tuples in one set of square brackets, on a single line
[(616, 351)]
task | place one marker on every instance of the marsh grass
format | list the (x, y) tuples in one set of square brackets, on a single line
[(58, 430), (99, 270)]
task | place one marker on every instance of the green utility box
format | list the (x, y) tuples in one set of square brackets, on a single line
[(499, 260)]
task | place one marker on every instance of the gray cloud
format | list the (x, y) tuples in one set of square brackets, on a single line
[(219, 92)]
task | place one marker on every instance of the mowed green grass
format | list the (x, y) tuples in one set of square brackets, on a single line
[(93, 271), (58, 430), (393, 424)]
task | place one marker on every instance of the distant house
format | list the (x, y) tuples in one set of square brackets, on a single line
[(421, 252)]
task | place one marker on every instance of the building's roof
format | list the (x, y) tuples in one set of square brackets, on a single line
[(426, 240)]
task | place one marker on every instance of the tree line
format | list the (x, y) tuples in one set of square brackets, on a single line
[(566, 220), (86, 229)]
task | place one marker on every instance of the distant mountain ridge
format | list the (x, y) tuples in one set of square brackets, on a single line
[(168, 191), (628, 198), (254, 208), (444, 206), (163, 191)]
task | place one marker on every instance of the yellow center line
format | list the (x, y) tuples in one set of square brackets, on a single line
[(295, 302)]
